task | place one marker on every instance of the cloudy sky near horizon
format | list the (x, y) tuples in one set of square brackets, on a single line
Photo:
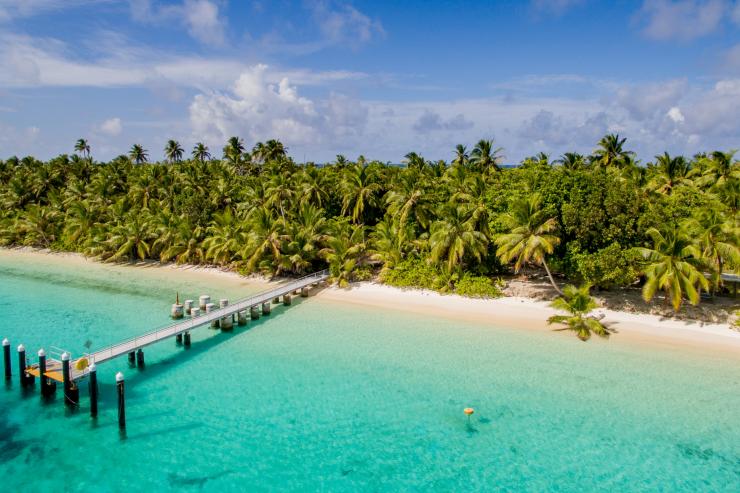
[(369, 77)]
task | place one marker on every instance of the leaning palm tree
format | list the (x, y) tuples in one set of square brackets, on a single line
[(200, 152), (530, 238), (173, 151), (138, 154), (83, 147), (578, 303), (673, 265), (484, 157)]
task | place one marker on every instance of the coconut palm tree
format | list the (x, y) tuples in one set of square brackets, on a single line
[(173, 151), (414, 161), (578, 302), (138, 154), (453, 237), (200, 152), (610, 151), (359, 190), (718, 240), (673, 265), (571, 160), (721, 167), (485, 157), (530, 238), (82, 147), (132, 238), (670, 172), (461, 156), (344, 248)]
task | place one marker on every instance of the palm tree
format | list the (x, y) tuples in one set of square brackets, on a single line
[(718, 241), (461, 156), (200, 152), (409, 199), (359, 188), (453, 236), (173, 151), (530, 237), (132, 238), (721, 168), (414, 161), (673, 265), (610, 151), (578, 303), (233, 151), (571, 160), (671, 171), (138, 154), (82, 147), (344, 248), (484, 157)]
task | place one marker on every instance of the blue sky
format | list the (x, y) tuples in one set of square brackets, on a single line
[(369, 77)]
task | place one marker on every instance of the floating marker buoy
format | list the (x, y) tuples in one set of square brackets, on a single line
[(468, 411)]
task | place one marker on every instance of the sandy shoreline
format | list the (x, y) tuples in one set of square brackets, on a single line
[(509, 312)]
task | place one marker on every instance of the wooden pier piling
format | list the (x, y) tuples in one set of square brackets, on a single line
[(6, 359), (93, 372)]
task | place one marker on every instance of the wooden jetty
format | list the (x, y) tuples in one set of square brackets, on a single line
[(80, 367)]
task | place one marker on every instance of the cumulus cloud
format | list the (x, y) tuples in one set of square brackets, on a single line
[(112, 127), (683, 19), (258, 109), (647, 100), (431, 121)]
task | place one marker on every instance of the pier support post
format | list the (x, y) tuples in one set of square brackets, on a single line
[(93, 390), (209, 308), (186, 339), (25, 379), (6, 359), (266, 308), (47, 388), (287, 299), (178, 339), (276, 300), (188, 306), (194, 312), (227, 323), (140, 358), (254, 313), (242, 318), (203, 301), (121, 401), (304, 292), (70, 389), (132, 358), (178, 311)]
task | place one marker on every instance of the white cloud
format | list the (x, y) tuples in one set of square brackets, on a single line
[(430, 121), (112, 127), (675, 114), (33, 62), (201, 18), (682, 19), (258, 109), (342, 23), (10, 9)]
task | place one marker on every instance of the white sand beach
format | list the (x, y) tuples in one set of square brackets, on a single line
[(512, 311)]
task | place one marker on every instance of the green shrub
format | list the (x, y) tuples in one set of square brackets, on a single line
[(413, 272), (363, 273), (478, 287), (609, 267)]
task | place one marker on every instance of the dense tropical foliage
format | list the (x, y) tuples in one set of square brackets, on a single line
[(605, 219)]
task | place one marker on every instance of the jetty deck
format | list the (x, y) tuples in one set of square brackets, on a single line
[(132, 345)]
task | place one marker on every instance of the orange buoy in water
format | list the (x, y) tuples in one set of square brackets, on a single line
[(468, 411)]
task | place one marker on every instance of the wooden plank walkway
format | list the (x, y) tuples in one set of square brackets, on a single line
[(131, 345)]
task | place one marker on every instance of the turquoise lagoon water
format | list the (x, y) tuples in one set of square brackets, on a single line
[(325, 397)]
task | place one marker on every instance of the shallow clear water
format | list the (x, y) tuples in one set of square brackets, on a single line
[(321, 396)]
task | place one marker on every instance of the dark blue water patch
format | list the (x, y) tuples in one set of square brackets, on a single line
[(10, 446)]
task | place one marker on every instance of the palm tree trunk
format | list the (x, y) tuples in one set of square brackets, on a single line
[(549, 274)]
